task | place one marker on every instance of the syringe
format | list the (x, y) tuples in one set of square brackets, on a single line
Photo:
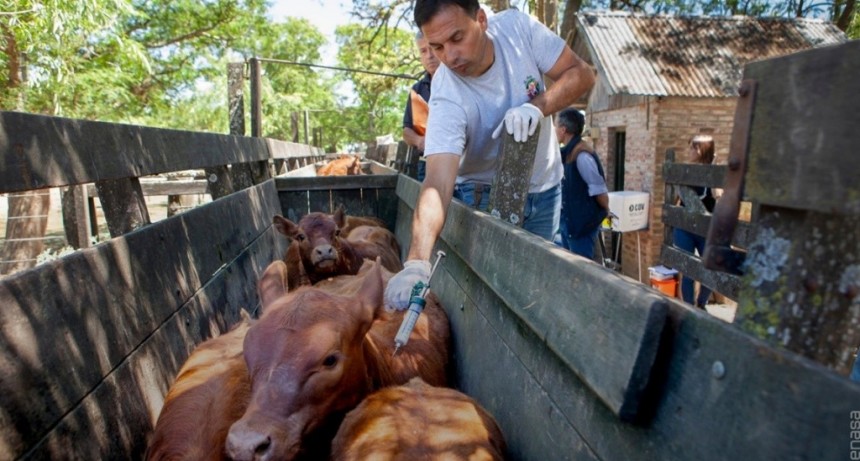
[(416, 305)]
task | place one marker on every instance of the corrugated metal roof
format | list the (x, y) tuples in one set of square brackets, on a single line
[(689, 55)]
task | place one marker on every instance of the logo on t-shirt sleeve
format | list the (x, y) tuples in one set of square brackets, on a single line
[(532, 86)]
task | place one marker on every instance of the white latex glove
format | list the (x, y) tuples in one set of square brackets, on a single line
[(399, 288), (520, 121)]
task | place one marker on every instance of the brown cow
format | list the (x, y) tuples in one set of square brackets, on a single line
[(418, 421), (346, 165), (323, 251), (210, 393), (316, 352), (351, 222)]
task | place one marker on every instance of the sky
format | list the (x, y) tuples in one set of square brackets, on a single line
[(326, 15)]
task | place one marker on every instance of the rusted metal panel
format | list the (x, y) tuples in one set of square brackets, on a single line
[(694, 56), (719, 255)]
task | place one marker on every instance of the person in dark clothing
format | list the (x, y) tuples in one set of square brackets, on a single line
[(584, 197), (415, 126), (701, 151)]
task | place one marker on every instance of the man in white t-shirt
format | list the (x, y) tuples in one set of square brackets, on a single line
[(491, 79)]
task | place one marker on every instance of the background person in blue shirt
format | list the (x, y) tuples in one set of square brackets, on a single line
[(584, 196)]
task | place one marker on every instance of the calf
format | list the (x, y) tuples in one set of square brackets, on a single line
[(351, 222), (316, 352), (210, 393), (346, 165), (318, 244), (418, 421)]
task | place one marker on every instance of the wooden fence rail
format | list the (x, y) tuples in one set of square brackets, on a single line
[(695, 219), (89, 158)]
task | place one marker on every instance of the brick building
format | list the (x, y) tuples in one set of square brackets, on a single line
[(661, 80)]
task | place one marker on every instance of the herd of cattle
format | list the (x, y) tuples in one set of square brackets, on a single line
[(315, 376)]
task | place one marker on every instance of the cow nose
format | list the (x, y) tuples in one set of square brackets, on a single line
[(324, 251), (246, 444)]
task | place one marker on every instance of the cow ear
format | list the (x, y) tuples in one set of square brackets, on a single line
[(370, 293), (285, 226), (272, 284), (340, 217)]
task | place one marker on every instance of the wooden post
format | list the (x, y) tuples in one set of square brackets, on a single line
[(307, 121), (123, 205), (256, 98), (801, 282), (294, 126), (412, 159), (513, 176), (219, 180), (400, 156), (259, 170), (240, 173), (76, 216)]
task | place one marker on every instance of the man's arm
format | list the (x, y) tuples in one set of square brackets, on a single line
[(432, 207), (572, 78), (591, 175), (412, 138), (603, 200)]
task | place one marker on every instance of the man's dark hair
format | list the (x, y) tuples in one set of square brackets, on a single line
[(572, 120), (426, 9)]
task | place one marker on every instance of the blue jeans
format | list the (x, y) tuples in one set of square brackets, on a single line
[(422, 170), (689, 242), (540, 217), (583, 246)]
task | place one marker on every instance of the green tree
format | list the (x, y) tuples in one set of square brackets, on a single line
[(118, 60), (60, 46), (290, 88), (380, 99)]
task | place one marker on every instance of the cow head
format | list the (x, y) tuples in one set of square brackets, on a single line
[(354, 168), (306, 361), (318, 237)]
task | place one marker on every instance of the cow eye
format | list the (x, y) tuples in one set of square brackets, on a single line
[(300, 237), (337, 232), (330, 361)]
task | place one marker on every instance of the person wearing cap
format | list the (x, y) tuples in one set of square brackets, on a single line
[(584, 196)]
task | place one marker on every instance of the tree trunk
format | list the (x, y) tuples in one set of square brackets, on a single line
[(25, 228), (568, 22), (843, 21), (547, 13)]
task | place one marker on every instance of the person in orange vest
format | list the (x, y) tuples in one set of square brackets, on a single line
[(415, 115)]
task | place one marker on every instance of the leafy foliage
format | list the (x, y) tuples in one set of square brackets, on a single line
[(381, 99), (163, 62)]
